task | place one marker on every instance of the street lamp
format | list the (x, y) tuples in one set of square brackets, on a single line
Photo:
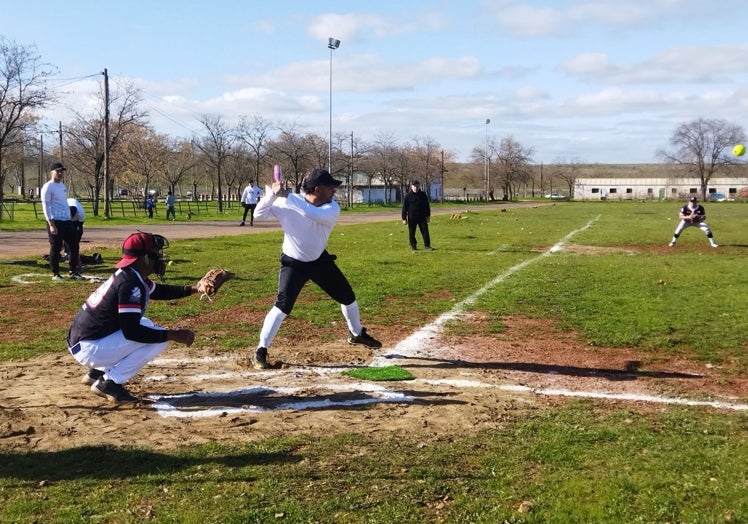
[(332, 44), (486, 180)]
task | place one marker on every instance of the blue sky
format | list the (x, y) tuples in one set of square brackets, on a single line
[(595, 81)]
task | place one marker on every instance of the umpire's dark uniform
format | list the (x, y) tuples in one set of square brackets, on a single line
[(417, 212)]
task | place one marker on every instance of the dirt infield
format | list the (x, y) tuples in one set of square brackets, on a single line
[(209, 395)]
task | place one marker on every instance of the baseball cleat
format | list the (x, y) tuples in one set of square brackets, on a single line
[(364, 339), (113, 391), (260, 359), (92, 376)]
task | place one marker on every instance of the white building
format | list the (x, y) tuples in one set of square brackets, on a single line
[(658, 188)]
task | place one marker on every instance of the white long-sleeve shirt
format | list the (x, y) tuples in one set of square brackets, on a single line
[(306, 227), (54, 197), (251, 194)]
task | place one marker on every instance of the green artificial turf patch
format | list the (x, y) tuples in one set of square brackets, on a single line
[(380, 373)]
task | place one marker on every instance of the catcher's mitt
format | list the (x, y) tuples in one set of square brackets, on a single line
[(212, 282)]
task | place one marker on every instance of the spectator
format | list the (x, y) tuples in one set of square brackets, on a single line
[(170, 200), (60, 229)]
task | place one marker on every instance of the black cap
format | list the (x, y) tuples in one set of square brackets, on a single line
[(692, 199), (54, 166), (415, 183), (319, 177)]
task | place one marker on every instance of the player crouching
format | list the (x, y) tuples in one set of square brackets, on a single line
[(110, 335)]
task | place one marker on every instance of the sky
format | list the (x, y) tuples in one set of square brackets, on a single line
[(591, 81)]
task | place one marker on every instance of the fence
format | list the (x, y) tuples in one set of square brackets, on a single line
[(122, 208)]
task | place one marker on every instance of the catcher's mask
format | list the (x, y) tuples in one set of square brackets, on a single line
[(146, 245)]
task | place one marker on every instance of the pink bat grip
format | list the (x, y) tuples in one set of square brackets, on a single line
[(277, 172)]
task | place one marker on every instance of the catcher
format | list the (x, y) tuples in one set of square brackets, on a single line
[(693, 214), (110, 334)]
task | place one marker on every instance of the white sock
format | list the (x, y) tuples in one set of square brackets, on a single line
[(270, 326), (352, 317)]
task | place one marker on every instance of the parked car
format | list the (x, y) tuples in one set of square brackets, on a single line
[(717, 197), (554, 195)]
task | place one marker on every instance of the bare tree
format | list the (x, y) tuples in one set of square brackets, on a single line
[(569, 173), (705, 147), (383, 161), (254, 133), (513, 161), (23, 91), (180, 162), (146, 156), (85, 145), (216, 145), (293, 148), (427, 152)]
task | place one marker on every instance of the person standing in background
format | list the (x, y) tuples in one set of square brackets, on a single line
[(170, 200), (250, 196), (149, 206), (54, 197), (77, 216), (417, 213)]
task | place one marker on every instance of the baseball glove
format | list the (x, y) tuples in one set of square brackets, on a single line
[(212, 282)]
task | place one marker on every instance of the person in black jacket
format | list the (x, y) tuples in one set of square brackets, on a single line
[(417, 212)]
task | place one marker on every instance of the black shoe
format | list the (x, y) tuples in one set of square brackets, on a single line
[(364, 339), (75, 275), (428, 248), (92, 376), (241, 223), (113, 391), (260, 360)]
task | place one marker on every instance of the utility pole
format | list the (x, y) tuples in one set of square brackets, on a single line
[(106, 145), (442, 173), (62, 156)]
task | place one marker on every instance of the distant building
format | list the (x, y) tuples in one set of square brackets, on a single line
[(657, 188), (366, 191)]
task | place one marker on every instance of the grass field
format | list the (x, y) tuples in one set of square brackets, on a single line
[(618, 285)]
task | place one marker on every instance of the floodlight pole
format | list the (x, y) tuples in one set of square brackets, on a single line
[(332, 44), (486, 179)]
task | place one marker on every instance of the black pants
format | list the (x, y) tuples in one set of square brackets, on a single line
[(67, 234), (323, 272), (78, 228), (423, 225), (249, 208)]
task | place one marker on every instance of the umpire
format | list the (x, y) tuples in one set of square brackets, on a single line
[(417, 213)]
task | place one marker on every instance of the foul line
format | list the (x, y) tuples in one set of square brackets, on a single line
[(414, 345)]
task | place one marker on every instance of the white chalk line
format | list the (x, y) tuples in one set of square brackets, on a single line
[(36, 278), (414, 346)]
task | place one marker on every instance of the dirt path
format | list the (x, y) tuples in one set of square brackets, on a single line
[(15, 244)]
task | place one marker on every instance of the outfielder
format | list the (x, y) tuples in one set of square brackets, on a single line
[(307, 220), (693, 214)]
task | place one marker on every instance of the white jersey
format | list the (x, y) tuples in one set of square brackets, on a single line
[(306, 227), (251, 194), (80, 214), (54, 197)]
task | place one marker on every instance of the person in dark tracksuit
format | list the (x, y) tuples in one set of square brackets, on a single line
[(417, 213)]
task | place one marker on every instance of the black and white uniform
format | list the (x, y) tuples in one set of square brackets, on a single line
[(306, 230), (111, 334), (699, 220)]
